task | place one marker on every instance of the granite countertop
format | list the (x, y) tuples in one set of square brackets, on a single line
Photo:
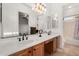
[(12, 45)]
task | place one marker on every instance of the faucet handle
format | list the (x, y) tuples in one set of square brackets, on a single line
[(22, 37), (26, 38), (20, 34), (19, 39)]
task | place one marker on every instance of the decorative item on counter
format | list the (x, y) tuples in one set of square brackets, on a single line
[(36, 31), (40, 32), (49, 32), (40, 35), (32, 30)]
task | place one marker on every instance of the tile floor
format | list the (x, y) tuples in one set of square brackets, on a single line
[(69, 50)]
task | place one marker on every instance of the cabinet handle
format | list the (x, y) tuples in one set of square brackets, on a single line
[(34, 49), (29, 51)]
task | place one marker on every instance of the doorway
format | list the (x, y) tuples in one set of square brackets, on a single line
[(71, 31)]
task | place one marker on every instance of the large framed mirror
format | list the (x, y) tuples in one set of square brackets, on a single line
[(13, 21), (23, 23)]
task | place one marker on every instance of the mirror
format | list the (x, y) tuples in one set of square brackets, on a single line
[(54, 24), (23, 23), (51, 23), (47, 23), (0, 18), (13, 21)]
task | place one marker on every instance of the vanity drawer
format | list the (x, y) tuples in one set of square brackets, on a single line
[(48, 41), (38, 50), (25, 52), (28, 52)]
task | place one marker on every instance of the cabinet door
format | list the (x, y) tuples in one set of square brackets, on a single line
[(21, 53), (38, 50), (28, 52), (58, 41), (25, 52), (54, 45), (48, 47), (18, 53)]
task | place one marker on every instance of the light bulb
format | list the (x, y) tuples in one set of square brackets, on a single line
[(70, 7)]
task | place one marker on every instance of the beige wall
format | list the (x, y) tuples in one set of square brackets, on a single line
[(69, 29)]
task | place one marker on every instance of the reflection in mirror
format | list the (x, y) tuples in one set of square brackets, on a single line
[(23, 23), (54, 23), (51, 23), (0, 18)]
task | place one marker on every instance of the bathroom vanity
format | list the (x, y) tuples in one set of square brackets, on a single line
[(34, 46), (45, 47)]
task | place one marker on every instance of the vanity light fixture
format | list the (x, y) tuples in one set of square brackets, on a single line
[(69, 6), (10, 33), (39, 7)]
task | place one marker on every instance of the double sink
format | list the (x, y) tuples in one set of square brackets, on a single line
[(13, 45)]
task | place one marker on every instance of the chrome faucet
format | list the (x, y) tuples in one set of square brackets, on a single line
[(23, 37)]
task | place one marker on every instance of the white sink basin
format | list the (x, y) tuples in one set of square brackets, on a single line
[(24, 43)]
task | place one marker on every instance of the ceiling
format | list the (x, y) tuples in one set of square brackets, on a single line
[(50, 6), (54, 6), (47, 4), (71, 9)]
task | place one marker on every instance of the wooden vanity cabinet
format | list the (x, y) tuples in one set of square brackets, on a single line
[(38, 50), (25, 52), (58, 41), (46, 48), (50, 46), (54, 45), (28, 52)]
